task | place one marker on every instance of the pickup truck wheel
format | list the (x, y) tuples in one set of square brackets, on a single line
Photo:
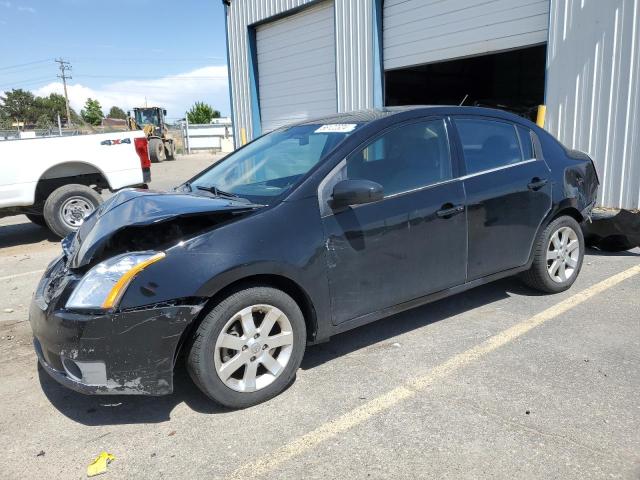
[(66, 208), (248, 348), (37, 219), (156, 150)]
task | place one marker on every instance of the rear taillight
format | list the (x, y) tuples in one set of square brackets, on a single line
[(142, 149)]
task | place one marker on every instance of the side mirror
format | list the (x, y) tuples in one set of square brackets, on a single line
[(355, 192), (164, 112)]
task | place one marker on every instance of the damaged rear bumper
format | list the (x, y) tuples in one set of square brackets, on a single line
[(130, 352)]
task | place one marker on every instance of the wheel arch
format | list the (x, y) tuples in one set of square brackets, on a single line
[(80, 172), (570, 211), (566, 208), (281, 282)]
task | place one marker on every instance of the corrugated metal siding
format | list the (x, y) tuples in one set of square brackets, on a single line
[(424, 31), (297, 67), (593, 90), (354, 69), (354, 59)]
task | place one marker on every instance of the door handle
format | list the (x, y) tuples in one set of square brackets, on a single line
[(448, 210), (537, 183)]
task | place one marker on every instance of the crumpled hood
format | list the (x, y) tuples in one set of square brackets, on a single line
[(134, 208)]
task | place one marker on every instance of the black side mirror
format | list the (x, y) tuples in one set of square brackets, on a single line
[(355, 192)]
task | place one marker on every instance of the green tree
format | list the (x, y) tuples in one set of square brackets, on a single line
[(18, 106), (202, 113), (92, 112), (48, 109), (117, 112), (5, 122)]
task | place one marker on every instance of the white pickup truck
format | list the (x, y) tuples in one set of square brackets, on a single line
[(56, 181)]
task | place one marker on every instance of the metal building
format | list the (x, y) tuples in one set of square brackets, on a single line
[(294, 59)]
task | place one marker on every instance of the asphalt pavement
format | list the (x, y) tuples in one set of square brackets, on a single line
[(497, 382)]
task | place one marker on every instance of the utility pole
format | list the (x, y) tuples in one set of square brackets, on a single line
[(64, 68)]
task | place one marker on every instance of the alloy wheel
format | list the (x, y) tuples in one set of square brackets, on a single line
[(563, 254), (253, 348)]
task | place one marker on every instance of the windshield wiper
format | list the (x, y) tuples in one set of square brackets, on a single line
[(216, 191)]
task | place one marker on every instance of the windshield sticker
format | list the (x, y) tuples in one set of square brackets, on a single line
[(337, 128)]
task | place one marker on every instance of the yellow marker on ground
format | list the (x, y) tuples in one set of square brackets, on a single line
[(99, 464)]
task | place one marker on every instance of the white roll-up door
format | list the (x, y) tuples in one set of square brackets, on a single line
[(425, 31), (297, 66)]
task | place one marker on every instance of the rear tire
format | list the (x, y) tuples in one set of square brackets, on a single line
[(156, 150), (237, 360), (170, 151), (557, 256), (36, 219), (68, 206)]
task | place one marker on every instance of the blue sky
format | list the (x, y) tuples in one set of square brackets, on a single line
[(173, 53)]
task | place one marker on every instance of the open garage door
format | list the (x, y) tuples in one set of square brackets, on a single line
[(491, 52), (513, 81), (297, 66), (425, 31)]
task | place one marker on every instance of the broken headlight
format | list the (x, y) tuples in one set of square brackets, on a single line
[(102, 287)]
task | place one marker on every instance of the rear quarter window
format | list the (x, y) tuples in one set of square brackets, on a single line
[(526, 142)]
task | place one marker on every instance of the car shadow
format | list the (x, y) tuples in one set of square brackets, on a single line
[(126, 409), (24, 234), (404, 322)]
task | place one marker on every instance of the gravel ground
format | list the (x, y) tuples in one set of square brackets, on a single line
[(561, 400)]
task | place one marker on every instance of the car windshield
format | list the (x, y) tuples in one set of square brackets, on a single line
[(271, 165)]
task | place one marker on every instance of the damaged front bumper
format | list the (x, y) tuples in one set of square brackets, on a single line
[(127, 352)]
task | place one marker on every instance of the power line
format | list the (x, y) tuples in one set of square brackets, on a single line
[(25, 82), (24, 64), (101, 60), (24, 71), (64, 68), (181, 76)]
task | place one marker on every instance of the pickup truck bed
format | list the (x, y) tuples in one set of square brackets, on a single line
[(56, 181)]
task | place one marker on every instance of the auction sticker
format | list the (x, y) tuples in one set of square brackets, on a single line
[(337, 128)]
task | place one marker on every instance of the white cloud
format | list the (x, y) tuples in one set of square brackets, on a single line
[(5, 4), (176, 93), (27, 9)]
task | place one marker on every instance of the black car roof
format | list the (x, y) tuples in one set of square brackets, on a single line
[(371, 115)]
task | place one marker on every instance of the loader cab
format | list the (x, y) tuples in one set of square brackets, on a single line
[(149, 116)]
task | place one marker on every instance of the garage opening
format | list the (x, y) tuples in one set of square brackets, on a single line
[(512, 80)]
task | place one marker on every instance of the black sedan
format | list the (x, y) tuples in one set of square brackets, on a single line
[(304, 233)]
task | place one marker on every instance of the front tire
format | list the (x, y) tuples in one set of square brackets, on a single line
[(557, 257), (156, 150), (248, 348), (67, 206)]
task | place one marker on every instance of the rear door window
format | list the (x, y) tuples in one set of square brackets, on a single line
[(488, 144)]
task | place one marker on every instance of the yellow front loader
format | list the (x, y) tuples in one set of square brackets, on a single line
[(151, 121)]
